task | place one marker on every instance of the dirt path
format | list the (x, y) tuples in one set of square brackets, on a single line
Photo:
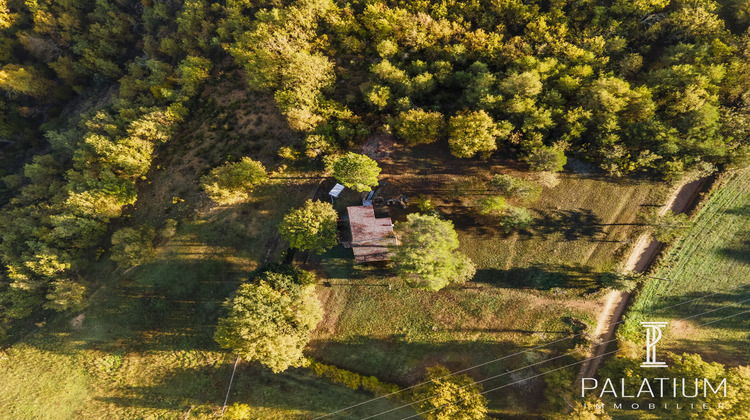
[(643, 253), (646, 248)]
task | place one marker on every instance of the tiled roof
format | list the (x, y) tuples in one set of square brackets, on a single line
[(370, 236)]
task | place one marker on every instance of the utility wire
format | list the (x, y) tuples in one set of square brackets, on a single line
[(506, 357), (560, 368)]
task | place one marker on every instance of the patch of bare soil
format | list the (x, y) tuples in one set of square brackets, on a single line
[(77, 322), (379, 146)]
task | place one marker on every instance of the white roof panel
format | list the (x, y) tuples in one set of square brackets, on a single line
[(336, 190)]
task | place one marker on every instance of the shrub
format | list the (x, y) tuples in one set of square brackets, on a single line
[(350, 379), (515, 218)]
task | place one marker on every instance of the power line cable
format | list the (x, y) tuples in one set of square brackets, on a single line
[(506, 357), (556, 369)]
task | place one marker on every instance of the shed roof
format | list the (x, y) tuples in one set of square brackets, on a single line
[(371, 236), (336, 190)]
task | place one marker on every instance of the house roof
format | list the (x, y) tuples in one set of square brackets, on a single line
[(371, 236)]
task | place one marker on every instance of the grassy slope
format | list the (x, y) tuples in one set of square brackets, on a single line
[(144, 347), (529, 284), (713, 259)]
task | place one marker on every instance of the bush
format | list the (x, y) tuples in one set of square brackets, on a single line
[(350, 379), (425, 204), (353, 380), (515, 218), (512, 187), (491, 205)]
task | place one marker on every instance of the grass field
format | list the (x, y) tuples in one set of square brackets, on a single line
[(585, 223), (710, 265), (532, 287)]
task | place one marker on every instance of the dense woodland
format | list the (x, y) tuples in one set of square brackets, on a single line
[(90, 89)]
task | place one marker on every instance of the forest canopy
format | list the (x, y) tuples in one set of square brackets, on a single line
[(89, 90)]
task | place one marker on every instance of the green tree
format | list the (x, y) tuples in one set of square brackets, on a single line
[(311, 227), (420, 127), (428, 256), (66, 295), (471, 133), (15, 79), (355, 171), (545, 158), (270, 319), (234, 181), (132, 247), (491, 205), (455, 397)]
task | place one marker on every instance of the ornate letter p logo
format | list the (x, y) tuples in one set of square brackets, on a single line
[(653, 335)]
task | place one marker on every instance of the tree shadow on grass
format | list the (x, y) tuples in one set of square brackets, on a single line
[(542, 277), (397, 360), (743, 210), (177, 389), (714, 307), (164, 305), (573, 224), (294, 390), (740, 253)]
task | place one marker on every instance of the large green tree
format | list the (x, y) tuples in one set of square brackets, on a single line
[(472, 133), (269, 320), (234, 181), (355, 171), (450, 397), (311, 227), (417, 126), (428, 256)]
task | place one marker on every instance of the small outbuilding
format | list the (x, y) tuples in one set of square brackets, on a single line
[(371, 236)]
